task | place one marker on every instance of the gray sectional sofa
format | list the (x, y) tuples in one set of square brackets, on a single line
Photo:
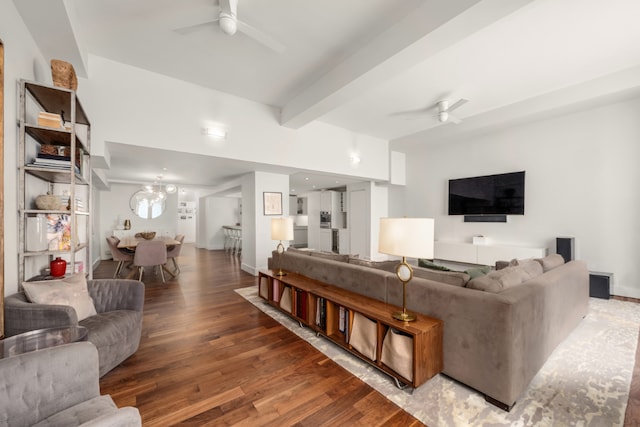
[(499, 329)]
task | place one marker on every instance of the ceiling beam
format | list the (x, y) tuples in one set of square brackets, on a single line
[(432, 27)]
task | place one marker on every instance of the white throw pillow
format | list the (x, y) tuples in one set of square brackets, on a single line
[(71, 291)]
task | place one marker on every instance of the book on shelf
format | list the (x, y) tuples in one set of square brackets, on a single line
[(276, 290), (341, 319), (321, 313), (51, 120), (301, 304), (59, 232)]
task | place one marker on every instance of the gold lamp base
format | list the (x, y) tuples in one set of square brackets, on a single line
[(280, 251), (404, 316), (405, 274)]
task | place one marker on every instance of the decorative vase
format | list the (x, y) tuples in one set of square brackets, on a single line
[(63, 74), (37, 233), (127, 224), (58, 267)]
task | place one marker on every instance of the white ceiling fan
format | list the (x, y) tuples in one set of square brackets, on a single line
[(229, 24), (443, 108)]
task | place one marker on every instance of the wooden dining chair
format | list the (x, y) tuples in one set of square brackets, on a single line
[(150, 253)]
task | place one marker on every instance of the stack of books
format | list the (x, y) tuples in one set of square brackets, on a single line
[(54, 158)]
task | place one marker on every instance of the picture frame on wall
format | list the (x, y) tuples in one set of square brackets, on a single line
[(272, 203)]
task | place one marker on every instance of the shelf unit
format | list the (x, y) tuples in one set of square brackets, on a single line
[(331, 311), (68, 229)]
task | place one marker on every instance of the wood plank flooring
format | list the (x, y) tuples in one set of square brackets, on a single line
[(209, 358)]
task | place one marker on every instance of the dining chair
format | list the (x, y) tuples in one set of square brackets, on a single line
[(118, 254), (150, 253), (174, 251)]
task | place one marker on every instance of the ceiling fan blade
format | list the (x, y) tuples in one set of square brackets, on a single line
[(192, 28), (454, 119), (459, 103), (261, 37)]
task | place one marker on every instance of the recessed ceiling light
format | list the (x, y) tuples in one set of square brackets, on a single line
[(216, 132), (306, 178)]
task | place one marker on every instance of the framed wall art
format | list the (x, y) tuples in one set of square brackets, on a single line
[(272, 203)]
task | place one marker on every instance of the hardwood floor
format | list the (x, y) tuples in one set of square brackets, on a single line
[(207, 357)]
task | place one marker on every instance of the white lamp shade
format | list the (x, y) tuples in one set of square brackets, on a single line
[(282, 228), (408, 237)]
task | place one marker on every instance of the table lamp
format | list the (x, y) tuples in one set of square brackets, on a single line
[(406, 237), (281, 229)]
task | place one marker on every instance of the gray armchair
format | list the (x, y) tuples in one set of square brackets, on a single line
[(58, 386), (115, 330)]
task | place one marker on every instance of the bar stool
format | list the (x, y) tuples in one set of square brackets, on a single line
[(237, 241), (228, 240)]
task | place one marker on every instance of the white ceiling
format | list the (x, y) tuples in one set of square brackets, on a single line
[(356, 63)]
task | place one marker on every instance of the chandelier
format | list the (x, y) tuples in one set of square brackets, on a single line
[(158, 191)]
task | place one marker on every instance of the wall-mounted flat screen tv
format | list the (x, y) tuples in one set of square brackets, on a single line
[(501, 194)]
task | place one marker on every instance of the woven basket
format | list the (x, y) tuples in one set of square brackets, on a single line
[(63, 74)]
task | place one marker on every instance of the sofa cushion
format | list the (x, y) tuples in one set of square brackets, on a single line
[(478, 271), (297, 250), (455, 278), (331, 256), (550, 262), (70, 291), (389, 265), (425, 263), (116, 335), (500, 280), (81, 413)]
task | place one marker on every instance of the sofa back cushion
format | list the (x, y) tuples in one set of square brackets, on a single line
[(550, 262), (519, 272), (330, 255), (455, 278)]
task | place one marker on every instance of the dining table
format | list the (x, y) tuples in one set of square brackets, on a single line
[(132, 242)]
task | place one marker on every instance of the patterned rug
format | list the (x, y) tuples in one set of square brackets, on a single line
[(584, 382)]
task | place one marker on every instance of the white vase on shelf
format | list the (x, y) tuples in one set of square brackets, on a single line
[(37, 233)]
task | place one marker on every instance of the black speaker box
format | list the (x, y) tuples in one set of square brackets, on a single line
[(565, 246), (600, 285)]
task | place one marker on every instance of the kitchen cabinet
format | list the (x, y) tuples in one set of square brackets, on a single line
[(343, 241), (293, 206), (325, 240)]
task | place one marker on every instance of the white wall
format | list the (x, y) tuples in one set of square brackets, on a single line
[(582, 179), (214, 213), (256, 227), (115, 205), (22, 59)]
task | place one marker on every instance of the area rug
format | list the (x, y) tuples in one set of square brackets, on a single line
[(584, 382)]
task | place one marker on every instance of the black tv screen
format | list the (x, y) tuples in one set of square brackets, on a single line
[(501, 194)]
